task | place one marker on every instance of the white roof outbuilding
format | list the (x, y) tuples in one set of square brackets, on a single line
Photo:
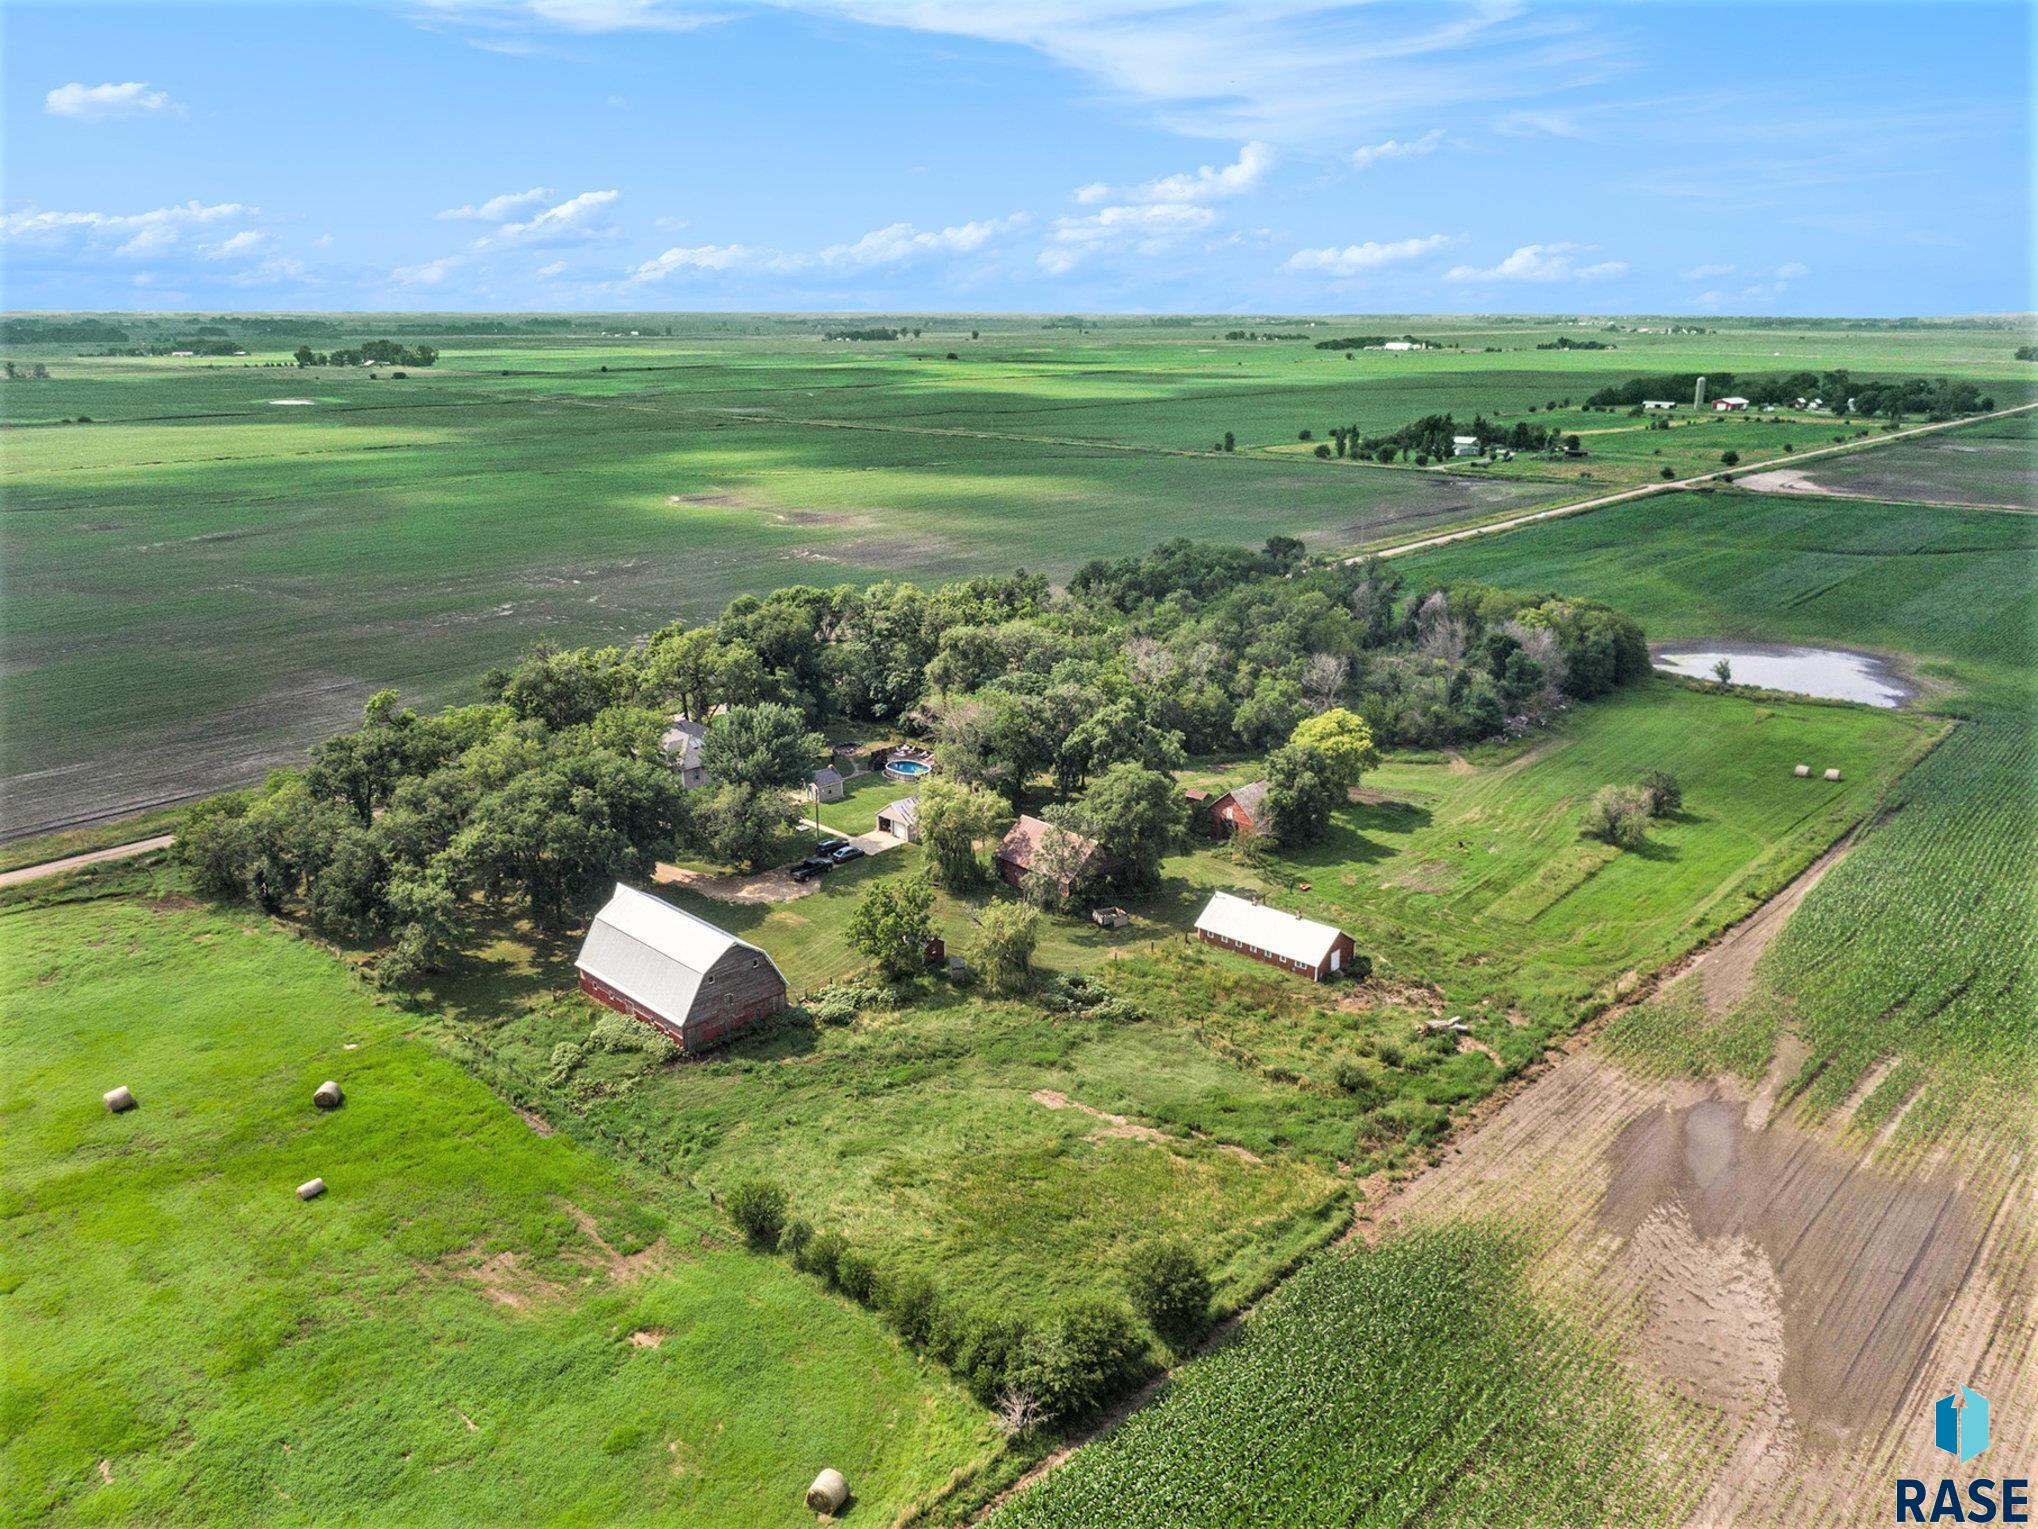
[(658, 955), (1269, 929)]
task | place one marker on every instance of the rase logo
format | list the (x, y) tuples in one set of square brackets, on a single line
[(1960, 1427)]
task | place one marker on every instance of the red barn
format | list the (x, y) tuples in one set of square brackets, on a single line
[(1019, 854), (1241, 810), (1279, 939), (674, 972)]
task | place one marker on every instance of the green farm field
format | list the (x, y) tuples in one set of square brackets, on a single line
[(231, 555), (475, 1323)]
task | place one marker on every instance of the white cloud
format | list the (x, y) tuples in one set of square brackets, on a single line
[(1146, 230), (499, 209), (1354, 259), (708, 257), (1707, 272), (429, 274), (548, 271), (246, 242), (1371, 154), (902, 241), (103, 103), (129, 235), (1792, 270), (1293, 73), (1206, 183), (571, 218), (1541, 262)]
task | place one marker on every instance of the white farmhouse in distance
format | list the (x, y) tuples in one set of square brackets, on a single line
[(1464, 445), (1728, 405), (1659, 403)]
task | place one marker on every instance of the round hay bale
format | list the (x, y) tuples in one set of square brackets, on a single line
[(828, 1493), (1803, 772), (118, 1100), (1832, 775), (328, 1096), (311, 1189)]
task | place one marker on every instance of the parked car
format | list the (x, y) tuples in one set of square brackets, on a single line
[(811, 867), (847, 853), (828, 847)]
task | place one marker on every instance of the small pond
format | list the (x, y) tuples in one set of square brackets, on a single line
[(1830, 673)]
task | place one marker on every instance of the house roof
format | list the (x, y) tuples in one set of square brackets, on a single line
[(1268, 929), (826, 776), (684, 739), (1247, 798), (1022, 843), (646, 949), (906, 809)]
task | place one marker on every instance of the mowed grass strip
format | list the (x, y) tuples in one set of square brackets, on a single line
[(444, 1337)]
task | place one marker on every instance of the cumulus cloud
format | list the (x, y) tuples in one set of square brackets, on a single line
[(127, 235), (902, 241), (1792, 270), (244, 243), (428, 274), (1707, 272), (1369, 155), (1145, 230), (708, 257), (499, 209), (1206, 183), (571, 219), (1541, 262), (1355, 259), (104, 103)]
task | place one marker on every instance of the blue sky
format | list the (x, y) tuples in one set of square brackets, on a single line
[(1064, 156)]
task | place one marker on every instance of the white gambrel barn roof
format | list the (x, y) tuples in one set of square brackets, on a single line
[(646, 949), (1268, 929)]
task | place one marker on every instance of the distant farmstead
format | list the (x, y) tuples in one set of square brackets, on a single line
[(1280, 939), (675, 972), (1729, 405)]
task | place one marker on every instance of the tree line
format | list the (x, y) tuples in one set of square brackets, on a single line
[(375, 352), (555, 783), (1934, 397)]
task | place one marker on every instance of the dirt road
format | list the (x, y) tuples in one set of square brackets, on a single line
[(92, 857)]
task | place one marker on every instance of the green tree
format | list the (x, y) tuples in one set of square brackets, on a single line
[(1618, 815), (1301, 795), (1002, 947), (1168, 1287), (1343, 743), (757, 1206), (954, 819), (742, 825), (769, 745), (890, 925), (1137, 814)]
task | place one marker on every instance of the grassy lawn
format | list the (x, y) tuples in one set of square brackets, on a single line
[(446, 1336), (863, 796)]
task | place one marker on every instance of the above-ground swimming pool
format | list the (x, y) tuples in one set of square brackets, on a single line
[(907, 769)]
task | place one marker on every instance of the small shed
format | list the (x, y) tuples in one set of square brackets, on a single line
[(1659, 403), (1110, 918), (1464, 445), (682, 744), (1279, 939), (1241, 810), (827, 785), (900, 819), (674, 972), (1020, 852)]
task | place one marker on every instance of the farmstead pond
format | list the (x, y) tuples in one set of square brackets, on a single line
[(1830, 673)]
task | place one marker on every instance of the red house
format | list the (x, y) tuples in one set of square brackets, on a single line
[(1019, 855), (674, 972)]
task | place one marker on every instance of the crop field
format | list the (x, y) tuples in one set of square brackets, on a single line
[(1993, 464), (475, 1322), (1787, 1194), (230, 556)]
